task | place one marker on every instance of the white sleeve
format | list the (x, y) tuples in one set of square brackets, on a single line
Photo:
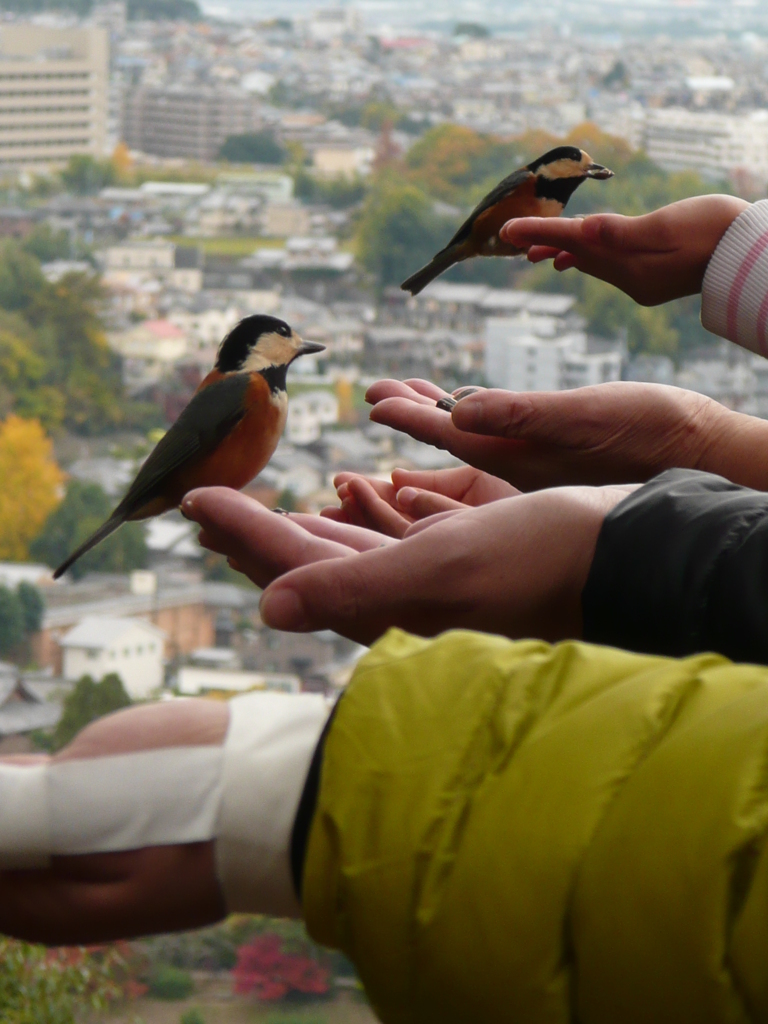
[(267, 752), (243, 794), (734, 294)]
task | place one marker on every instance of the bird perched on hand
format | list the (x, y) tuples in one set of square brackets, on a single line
[(227, 433), (541, 189)]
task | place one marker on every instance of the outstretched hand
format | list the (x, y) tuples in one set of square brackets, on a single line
[(514, 567), (612, 433), (653, 258), (392, 507)]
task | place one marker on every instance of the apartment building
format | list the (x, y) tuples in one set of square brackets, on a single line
[(537, 353), (716, 145), (53, 94), (191, 124)]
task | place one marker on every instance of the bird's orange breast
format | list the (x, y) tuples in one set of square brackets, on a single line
[(248, 447)]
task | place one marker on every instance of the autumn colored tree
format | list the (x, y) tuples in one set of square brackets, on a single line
[(457, 164), (122, 161), (32, 483)]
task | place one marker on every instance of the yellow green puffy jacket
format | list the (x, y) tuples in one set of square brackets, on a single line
[(513, 832)]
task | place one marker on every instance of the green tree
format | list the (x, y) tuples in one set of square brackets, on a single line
[(12, 633), (55, 364), (21, 278), (88, 701), (471, 28), (398, 231), (84, 508), (340, 192), (253, 148), (21, 613), (164, 10), (46, 244), (32, 606), (55, 986), (85, 175)]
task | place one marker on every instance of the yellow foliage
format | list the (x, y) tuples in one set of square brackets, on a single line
[(122, 161), (345, 398), (31, 484)]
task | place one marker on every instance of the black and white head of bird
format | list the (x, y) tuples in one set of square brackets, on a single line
[(560, 172), (259, 343)]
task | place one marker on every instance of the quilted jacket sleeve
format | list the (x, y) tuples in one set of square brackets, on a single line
[(518, 832)]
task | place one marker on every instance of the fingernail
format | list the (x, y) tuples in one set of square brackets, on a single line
[(281, 511), (283, 609), (469, 411), (406, 496), (187, 508), (446, 404)]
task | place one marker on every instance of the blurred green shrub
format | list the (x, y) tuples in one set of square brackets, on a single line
[(167, 982)]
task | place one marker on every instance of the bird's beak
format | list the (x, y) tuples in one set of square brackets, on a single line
[(307, 348), (598, 171)]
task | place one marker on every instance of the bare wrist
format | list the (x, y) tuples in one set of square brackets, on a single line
[(735, 446)]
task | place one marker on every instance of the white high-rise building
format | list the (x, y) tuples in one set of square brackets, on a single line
[(53, 94), (713, 144), (533, 353)]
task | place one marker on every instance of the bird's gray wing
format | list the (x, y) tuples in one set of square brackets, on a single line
[(202, 425), (503, 189)]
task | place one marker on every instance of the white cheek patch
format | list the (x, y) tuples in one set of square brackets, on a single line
[(244, 794)]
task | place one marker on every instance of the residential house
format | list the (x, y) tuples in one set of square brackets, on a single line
[(131, 648)]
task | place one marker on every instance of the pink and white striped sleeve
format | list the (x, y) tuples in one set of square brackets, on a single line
[(734, 294)]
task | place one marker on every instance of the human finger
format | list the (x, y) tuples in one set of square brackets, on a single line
[(575, 418), (565, 261), (264, 544), (556, 232), (383, 488), (426, 388), (356, 537), (421, 504), (434, 426), (407, 585), (377, 512), (382, 389), (539, 253)]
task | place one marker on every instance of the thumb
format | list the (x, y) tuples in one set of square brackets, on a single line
[(347, 595), (568, 418)]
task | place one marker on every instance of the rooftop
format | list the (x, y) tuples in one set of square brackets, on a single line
[(95, 632)]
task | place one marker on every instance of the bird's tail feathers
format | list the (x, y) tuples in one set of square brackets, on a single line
[(103, 531), (436, 266)]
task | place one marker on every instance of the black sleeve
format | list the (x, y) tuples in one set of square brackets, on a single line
[(681, 566)]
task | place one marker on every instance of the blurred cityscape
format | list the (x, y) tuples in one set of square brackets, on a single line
[(167, 170)]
